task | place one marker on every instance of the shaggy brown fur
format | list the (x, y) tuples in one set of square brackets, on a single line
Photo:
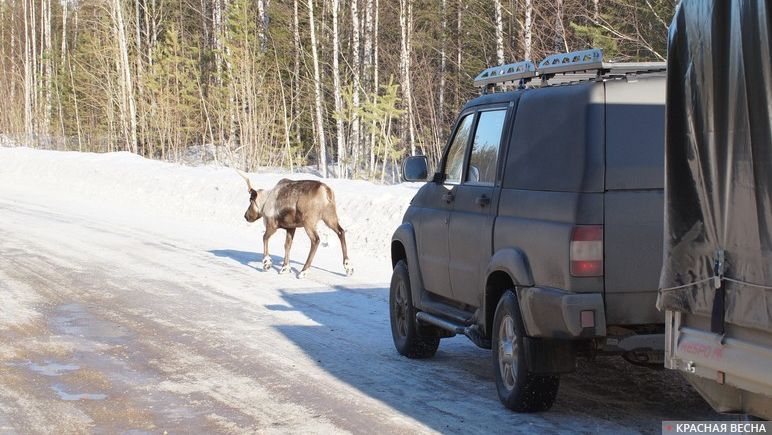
[(291, 205)]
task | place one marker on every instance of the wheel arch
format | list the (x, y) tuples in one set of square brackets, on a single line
[(507, 270), (403, 248)]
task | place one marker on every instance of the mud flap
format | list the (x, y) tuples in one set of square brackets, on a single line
[(549, 356)]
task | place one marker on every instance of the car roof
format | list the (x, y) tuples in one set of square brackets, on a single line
[(505, 97), (493, 98)]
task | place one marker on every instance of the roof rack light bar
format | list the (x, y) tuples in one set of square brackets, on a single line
[(584, 60), (506, 73), (564, 68)]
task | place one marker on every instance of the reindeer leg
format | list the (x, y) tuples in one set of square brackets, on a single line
[(269, 231), (331, 220), (346, 262), (287, 245), (314, 244)]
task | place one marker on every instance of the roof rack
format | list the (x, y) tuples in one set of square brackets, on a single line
[(570, 62), (573, 67), (506, 73)]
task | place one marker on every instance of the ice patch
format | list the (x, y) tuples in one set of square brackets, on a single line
[(47, 368), (77, 396)]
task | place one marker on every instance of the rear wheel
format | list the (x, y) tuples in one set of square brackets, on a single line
[(404, 329), (518, 389)]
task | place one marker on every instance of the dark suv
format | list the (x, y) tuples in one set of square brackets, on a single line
[(540, 235)]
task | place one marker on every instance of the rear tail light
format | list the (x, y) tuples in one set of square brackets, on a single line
[(587, 250)]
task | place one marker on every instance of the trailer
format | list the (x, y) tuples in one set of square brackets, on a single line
[(716, 280)]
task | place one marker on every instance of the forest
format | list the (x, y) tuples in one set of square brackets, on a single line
[(348, 87)]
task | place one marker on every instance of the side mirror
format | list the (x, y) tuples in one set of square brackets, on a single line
[(415, 168)]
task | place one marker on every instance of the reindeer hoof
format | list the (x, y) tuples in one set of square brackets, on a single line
[(284, 269), (348, 267), (267, 263), (302, 274)]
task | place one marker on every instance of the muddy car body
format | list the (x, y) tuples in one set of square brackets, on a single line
[(540, 234)]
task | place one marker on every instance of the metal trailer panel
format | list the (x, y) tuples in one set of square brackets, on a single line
[(730, 372)]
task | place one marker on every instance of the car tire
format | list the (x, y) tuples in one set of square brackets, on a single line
[(519, 390), (404, 329)]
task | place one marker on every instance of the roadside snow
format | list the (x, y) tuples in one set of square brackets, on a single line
[(208, 194)]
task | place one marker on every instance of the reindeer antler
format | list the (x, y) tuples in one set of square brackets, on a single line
[(246, 178)]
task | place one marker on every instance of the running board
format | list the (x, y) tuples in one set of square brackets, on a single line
[(470, 332)]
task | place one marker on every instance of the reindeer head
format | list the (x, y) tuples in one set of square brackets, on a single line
[(254, 211)]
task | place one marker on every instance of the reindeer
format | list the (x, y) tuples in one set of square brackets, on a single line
[(291, 205)]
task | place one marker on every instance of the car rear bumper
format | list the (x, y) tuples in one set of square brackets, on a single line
[(553, 313)]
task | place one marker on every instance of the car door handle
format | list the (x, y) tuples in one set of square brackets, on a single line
[(448, 197), (482, 200)]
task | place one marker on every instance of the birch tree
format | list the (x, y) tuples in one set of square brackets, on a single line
[(499, 33), (340, 130), (376, 84), (443, 59), (527, 35), (356, 83), (47, 55), (128, 103), (29, 70), (405, 24), (322, 162), (296, 81), (561, 44)]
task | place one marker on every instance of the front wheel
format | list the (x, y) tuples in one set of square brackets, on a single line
[(518, 389), (404, 330)]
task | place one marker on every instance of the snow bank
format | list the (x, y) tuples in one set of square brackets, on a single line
[(369, 212)]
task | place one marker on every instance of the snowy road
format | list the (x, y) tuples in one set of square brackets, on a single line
[(115, 320)]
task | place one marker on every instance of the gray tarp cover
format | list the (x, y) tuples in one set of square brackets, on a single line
[(718, 183)]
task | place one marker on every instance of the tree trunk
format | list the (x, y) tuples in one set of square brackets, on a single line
[(138, 63), (317, 92), (47, 54), (459, 49), (527, 36), (367, 61), (262, 27), (340, 131), (127, 88), (62, 58), (217, 37), (405, 23), (499, 33), (357, 73), (375, 83), (561, 45), (29, 88), (34, 91), (296, 88), (367, 58), (65, 13), (410, 102), (514, 29), (443, 61)]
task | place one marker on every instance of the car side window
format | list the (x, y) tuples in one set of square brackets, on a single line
[(485, 148), (454, 164)]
